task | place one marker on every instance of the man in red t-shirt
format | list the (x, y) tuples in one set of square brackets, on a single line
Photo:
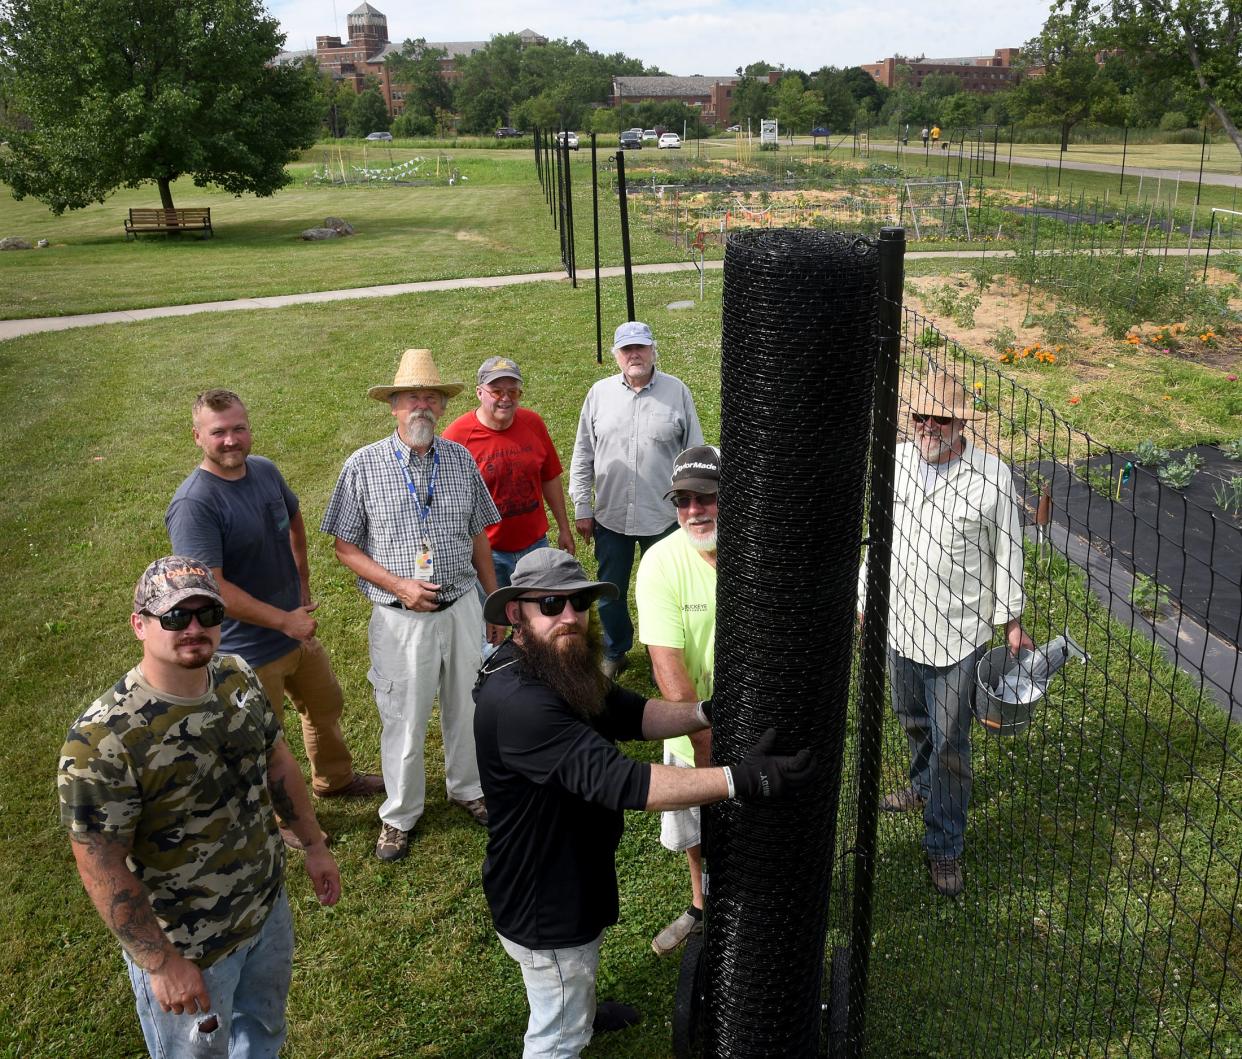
[(519, 465)]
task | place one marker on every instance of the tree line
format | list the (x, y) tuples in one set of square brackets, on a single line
[(94, 97)]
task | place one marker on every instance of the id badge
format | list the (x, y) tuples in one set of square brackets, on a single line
[(423, 568)]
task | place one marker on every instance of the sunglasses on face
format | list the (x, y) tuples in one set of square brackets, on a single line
[(551, 606), (681, 501), (499, 393), (942, 421), (180, 617)]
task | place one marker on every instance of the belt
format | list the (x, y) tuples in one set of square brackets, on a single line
[(438, 607)]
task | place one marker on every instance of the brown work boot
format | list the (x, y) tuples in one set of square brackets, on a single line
[(905, 800), (393, 843), (363, 785), (946, 875), (476, 807)]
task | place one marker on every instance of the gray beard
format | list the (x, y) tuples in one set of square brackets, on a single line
[(422, 429)]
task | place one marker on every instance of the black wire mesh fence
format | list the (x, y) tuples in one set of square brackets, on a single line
[(799, 321), (1101, 858)]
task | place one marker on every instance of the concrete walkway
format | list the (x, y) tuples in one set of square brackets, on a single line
[(38, 324)]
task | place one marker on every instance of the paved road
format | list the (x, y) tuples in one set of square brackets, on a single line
[(1188, 176), (842, 146)]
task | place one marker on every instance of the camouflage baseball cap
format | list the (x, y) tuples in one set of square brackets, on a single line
[(167, 581)]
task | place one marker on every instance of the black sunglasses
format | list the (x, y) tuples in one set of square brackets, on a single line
[(681, 501), (943, 421), (179, 617), (551, 606)]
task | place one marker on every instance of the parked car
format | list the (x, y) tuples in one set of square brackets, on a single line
[(650, 136), (821, 131), (570, 139), (631, 140), (669, 139), (379, 136), (734, 128), (507, 133)]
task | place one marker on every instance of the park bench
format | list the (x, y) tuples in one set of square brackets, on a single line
[(193, 218)]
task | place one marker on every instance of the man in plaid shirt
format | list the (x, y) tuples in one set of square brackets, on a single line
[(410, 514)]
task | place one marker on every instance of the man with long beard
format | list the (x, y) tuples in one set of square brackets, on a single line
[(546, 726), (410, 516)]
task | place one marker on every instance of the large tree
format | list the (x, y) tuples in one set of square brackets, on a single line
[(1194, 43), (116, 93), (415, 71), (1065, 85)]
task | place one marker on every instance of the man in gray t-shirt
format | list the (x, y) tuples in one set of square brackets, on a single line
[(236, 514)]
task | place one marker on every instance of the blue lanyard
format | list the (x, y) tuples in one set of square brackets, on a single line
[(424, 510)]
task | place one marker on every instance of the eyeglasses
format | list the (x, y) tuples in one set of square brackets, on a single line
[(551, 606), (180, 617), (497, 393), (681, 501), (942, 421)]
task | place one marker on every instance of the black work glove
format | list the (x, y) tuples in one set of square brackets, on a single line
[(760, 774)]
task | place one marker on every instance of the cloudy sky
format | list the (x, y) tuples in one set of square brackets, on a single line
[(703, 36)]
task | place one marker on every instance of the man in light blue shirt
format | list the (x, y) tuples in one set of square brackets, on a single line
[(631, 429)]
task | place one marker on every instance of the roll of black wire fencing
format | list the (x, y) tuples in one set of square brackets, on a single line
[(799, 345)]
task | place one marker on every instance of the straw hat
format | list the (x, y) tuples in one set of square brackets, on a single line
[(417, 371), (939, 394)]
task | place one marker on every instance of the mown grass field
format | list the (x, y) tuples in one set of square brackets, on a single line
[(95, 428)]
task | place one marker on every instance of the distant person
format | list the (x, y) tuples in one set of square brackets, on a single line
[(925, 133), (905, 136), (236, 514), (675, 592), (546, 725), (955, 575), (168, 784), (631, 428), (410, 515), (935, 135)]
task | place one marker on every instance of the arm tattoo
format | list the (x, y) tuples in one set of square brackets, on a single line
[(137, 929), (281, 801)]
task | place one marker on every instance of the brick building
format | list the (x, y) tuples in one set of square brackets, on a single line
[(713, 95), (364, 53), (978, 73)]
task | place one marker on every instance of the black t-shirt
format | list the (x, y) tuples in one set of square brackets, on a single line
[(555, 789)]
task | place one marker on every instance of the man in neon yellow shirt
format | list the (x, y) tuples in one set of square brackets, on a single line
[(676, 597)]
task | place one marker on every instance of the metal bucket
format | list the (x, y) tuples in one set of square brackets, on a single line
[(998, 716)]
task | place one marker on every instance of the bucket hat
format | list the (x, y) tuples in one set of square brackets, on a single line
[(544, 570)]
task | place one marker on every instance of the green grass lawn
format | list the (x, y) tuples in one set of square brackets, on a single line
[(494, 222), (407, 964)]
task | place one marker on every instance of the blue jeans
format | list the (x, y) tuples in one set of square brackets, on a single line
[(503, 563), (248, 990), (614, 552), (933, 705), (560, 989)]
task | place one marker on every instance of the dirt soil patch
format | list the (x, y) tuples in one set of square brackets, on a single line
[(1006, 304)]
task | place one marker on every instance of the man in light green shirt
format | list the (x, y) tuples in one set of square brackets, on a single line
[(676, 597)]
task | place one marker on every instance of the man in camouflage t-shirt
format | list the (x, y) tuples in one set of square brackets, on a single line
[(167, 784)]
